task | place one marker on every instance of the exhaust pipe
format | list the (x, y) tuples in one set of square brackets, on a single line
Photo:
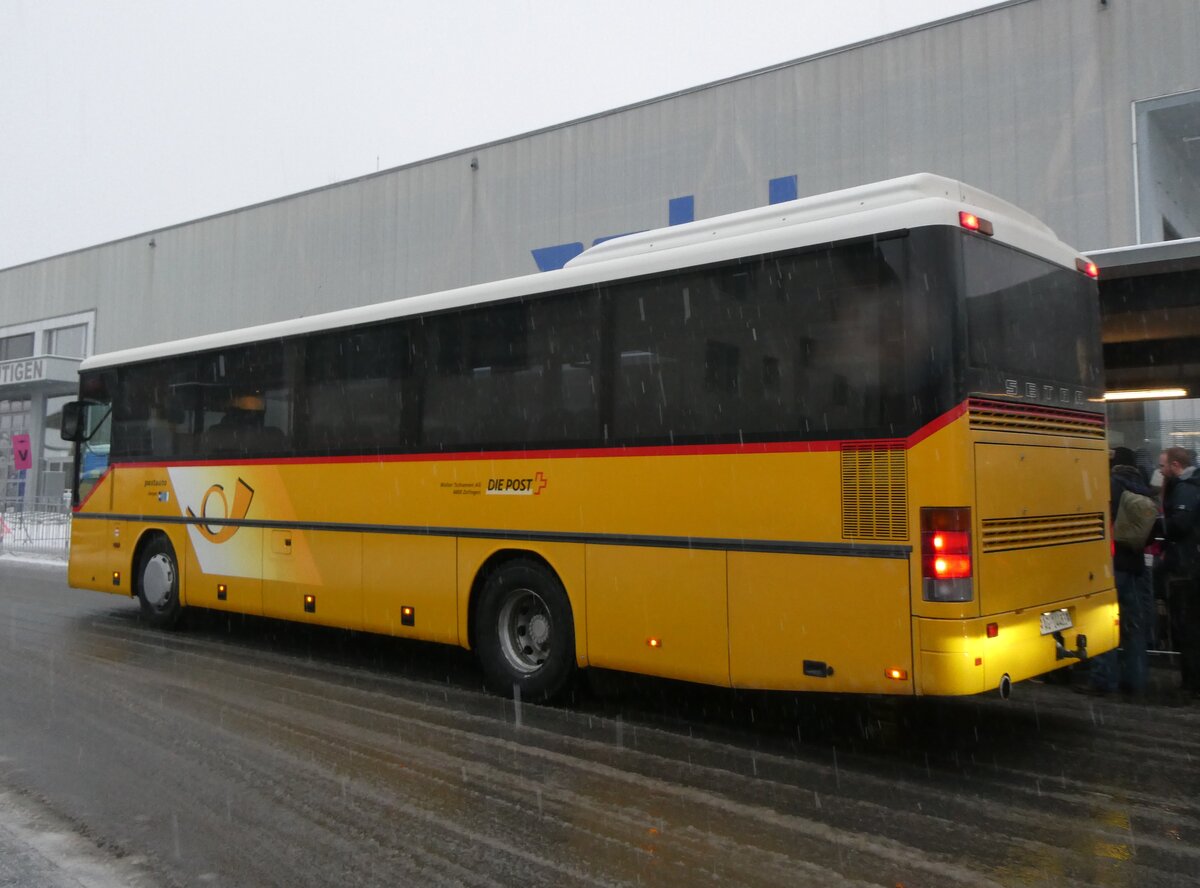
[(1005, 687)]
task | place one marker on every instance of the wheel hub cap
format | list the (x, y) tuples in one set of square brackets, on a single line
[(157, 580), (525, 630)]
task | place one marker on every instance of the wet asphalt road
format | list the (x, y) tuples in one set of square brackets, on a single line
[(250, 752)]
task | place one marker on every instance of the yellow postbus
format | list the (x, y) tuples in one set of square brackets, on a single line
[(851, 443)]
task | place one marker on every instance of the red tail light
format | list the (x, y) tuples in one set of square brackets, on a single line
[(951, 554), (946, 567), (1088, 268)]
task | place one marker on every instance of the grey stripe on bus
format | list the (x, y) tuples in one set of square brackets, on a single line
[(856, 550)]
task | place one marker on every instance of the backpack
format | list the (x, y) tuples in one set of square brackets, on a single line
[(1135, 519)]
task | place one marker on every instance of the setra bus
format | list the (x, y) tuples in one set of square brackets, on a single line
[(852, 443)]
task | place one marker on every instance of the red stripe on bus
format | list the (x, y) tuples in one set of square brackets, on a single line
[(95, 487), (936, 426), (477, 455), (769, 447)]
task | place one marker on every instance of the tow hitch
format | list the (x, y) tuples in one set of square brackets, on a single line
[(1061, 652)]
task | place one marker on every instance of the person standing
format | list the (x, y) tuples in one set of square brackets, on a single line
[(1127, 668), (1181, 524)]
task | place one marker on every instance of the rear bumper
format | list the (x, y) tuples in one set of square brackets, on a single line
[(955, 657)]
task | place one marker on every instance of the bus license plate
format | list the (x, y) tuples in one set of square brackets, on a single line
[(1056, 621)]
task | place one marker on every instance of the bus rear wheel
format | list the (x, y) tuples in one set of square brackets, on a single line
[(524, 631), (158, 583)]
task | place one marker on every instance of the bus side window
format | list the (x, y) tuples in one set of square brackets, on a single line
[(246, 399), (152, 416), (516, 374), (357, 391)]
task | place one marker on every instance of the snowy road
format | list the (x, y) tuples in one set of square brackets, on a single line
[(248, 752)]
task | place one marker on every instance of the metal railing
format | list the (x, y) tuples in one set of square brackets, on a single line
[(37, 526)]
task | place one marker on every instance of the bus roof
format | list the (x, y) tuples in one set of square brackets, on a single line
[(895, 204)]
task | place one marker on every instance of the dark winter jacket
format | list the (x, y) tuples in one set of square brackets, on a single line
[(1127, 478), (1181, 508)]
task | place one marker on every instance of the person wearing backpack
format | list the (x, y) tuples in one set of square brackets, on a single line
[(1134, 510), (1181, 506)]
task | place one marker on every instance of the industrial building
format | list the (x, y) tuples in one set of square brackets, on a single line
[(1084, 112)]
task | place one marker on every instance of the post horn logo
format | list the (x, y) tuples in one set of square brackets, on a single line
[(221, 533)]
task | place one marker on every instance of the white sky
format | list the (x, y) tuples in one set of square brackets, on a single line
[(121, 116)]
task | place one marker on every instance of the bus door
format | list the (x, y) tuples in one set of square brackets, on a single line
[(94, 545)]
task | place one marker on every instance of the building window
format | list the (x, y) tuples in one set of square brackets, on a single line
[(1168, 167), (14, 415), (67, 342), (13, 347)]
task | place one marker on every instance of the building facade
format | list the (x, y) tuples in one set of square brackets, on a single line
[(1083, 112)]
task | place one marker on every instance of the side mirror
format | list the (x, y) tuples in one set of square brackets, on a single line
[(72, 428)]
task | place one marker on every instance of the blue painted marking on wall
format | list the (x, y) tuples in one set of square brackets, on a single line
[(781, 189), (550, 258), (681, 210)]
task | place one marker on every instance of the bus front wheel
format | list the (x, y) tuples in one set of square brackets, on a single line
[(158, 583), (524, 631)]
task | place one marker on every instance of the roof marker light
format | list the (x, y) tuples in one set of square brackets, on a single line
[(1088, 268), (971, 222)]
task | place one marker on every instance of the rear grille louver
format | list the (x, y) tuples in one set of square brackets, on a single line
[(999, 416), (875, 491), (1001, 534)]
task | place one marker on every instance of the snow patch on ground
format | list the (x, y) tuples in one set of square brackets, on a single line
[(36, 848), (49, 561)]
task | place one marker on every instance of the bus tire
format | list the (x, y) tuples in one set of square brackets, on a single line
[(525, 632), (158, 583)]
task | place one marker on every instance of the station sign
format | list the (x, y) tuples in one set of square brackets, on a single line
[(30, 370)]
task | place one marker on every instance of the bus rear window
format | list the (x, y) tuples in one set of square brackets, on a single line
[(1029, 317)]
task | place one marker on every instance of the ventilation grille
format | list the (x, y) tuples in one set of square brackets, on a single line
[(874, 491), (998, 416), (1000, 534)]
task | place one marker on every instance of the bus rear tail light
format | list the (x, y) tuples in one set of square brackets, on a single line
[(946, 565), (1088, 268)]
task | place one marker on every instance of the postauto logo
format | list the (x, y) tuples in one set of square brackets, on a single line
[(243, 494), (679, 211)]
